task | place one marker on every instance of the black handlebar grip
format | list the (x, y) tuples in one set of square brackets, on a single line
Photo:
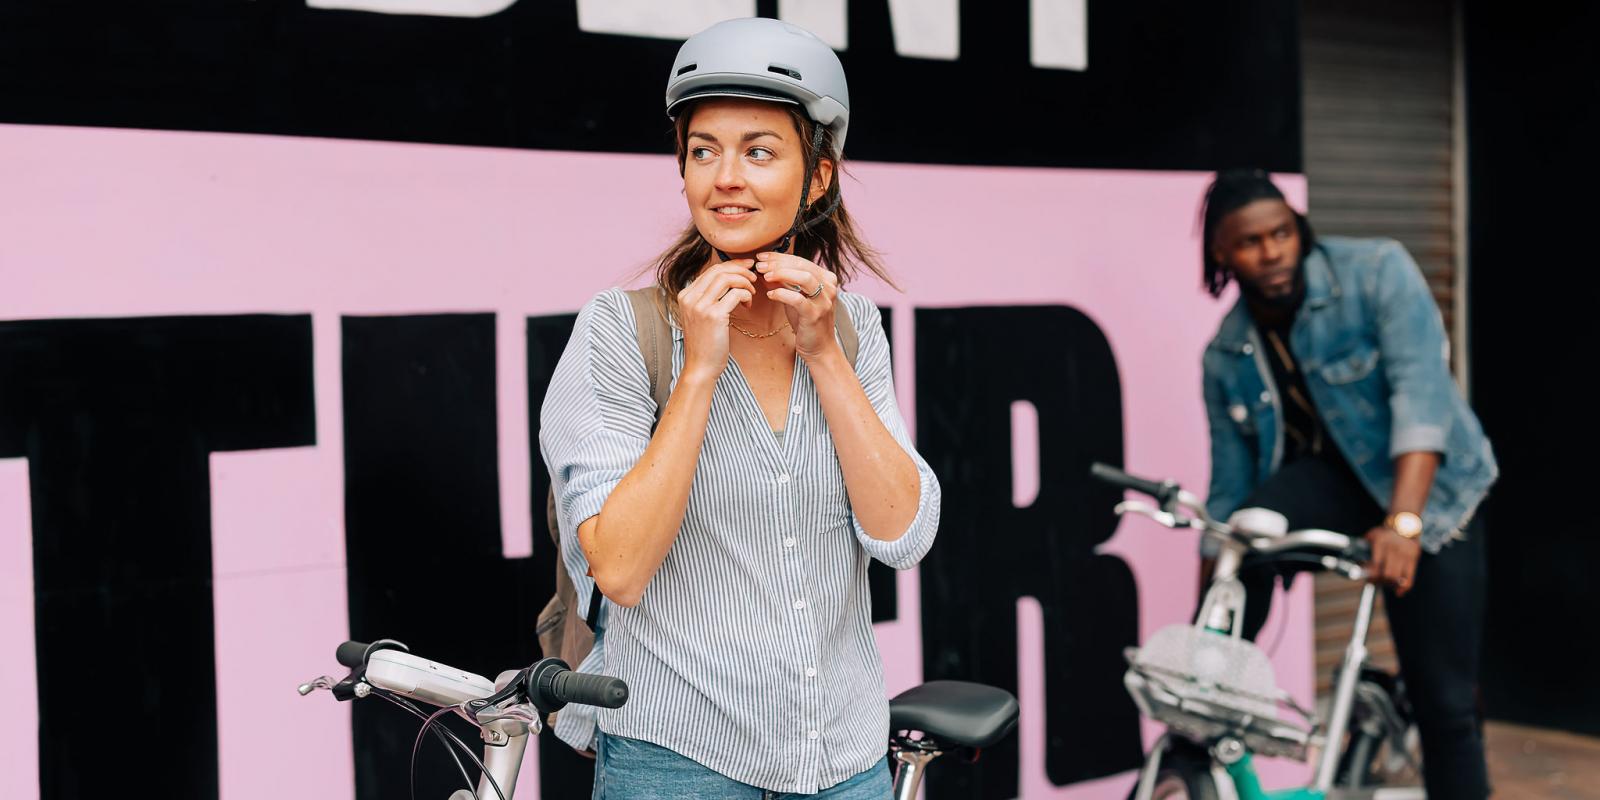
[(1117, 477), (351, 654), (551, 685), (592, 690), (1359, 551)]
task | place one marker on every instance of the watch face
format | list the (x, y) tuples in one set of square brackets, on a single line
[(1406, 524)]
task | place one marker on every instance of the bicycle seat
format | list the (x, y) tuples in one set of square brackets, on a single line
[(955, 712)]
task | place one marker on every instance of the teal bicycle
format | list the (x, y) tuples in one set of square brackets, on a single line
[(1216, 693)]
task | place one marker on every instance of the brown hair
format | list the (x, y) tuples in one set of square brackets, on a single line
[(833, 243)]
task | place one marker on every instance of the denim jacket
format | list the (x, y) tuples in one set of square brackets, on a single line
[(1372, 347)]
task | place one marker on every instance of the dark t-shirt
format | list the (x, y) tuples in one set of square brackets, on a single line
[(1303, 432)]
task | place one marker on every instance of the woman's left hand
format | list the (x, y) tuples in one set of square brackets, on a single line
[(807, 293)]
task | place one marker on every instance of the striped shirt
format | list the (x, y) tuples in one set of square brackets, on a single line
[(752, 649)]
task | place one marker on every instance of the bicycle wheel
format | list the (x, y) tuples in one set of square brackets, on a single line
[(1382, 748), (1185, 783)]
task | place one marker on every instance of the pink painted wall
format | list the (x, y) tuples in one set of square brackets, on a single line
[(131, 223)]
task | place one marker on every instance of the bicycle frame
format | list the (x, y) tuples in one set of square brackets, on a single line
[(1222, 613)]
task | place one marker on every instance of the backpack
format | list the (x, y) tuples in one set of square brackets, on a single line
[(562, 633)]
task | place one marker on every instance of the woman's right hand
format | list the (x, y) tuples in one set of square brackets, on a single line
[(703, 309)]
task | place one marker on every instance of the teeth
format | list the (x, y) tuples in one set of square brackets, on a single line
[(730, 209)]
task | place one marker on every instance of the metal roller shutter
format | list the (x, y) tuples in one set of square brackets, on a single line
[(1381, 159)]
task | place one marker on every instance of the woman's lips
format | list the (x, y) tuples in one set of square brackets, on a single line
[(733, 213)]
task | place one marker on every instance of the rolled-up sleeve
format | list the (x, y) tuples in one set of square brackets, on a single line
[(595, 422), (874, 369), (1416, 354)]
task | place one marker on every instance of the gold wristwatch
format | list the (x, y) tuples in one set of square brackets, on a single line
[(1405, 523)]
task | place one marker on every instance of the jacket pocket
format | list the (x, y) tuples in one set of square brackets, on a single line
[(1351, 368)]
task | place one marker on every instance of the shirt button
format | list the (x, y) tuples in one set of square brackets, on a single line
[(789, 542), (811, 672), (784, 478), (795, 409), (811, 735), (1249, 349), (799, 605), (1266, 397)]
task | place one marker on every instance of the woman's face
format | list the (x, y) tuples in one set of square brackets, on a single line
[(742, 173)]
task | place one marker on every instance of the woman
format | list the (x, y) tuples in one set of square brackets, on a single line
[(732, 537)]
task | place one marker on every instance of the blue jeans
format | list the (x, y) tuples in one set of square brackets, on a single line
[(631, 769)]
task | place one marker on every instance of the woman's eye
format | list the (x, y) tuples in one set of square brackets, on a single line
[(700, 153), (760, 153)]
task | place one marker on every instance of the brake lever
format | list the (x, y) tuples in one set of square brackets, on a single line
[(507, 693), (506, 713), (1345, 567), (1145, 509), (319, 682)]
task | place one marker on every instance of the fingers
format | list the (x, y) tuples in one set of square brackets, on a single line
[(806, 281), (1376, 566), (735, 296), (792, 270), (717, 288), (1394, 561), (793, 299), (1405, 572), (703, 283), (1394, 567)]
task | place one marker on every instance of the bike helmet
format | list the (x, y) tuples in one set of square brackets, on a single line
[(763, 59)]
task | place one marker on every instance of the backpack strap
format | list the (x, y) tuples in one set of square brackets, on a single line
[(655, 342), (846, 328)]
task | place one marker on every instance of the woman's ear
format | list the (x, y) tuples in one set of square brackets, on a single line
[(821, 180)]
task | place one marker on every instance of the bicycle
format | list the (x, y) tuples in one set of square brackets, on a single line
[(925, 722), (1216, 693)]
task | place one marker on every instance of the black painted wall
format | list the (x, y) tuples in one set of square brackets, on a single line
[(1532, 102), (1171, 84)]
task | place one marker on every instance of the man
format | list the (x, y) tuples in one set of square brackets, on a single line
[(1330, 400)]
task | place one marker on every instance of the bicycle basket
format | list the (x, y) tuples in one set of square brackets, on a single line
[(1206, 685)]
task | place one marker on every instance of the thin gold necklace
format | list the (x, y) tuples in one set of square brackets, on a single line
[(773, 332)]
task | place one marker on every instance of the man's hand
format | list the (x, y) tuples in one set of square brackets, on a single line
[(1394, 559)]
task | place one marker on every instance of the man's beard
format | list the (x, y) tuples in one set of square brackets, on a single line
[(1286, 301)]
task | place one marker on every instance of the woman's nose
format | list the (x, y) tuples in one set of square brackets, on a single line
[(729, 175)]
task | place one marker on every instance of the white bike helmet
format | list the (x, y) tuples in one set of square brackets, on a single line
[(763, 59)]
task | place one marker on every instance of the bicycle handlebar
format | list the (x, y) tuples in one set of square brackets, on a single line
[(1172, 499), (351, 654), (1161, 491), (549, 684), (551, 680), (1360, 551)]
